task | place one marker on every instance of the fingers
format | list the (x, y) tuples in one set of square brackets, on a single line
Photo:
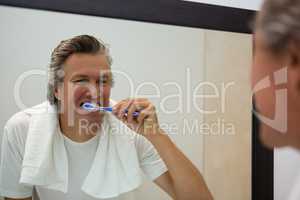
[(123, 108), (137, 106), (117, 107), (145, 113), (143, 106), (132, 108)]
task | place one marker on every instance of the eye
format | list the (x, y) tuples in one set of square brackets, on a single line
[(80, 80), (106, 81)]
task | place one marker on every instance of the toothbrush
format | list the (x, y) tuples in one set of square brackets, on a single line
[(93, 107)]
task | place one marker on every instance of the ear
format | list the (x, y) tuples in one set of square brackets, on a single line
[(58, 93)]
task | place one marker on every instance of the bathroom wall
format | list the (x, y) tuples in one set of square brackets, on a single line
[(227, 151)]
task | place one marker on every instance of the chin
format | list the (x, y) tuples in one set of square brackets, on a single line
[(93, 116), (271, 138), (90, 116)]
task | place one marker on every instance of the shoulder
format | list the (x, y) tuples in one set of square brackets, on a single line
[(16, 127), (14, 135)]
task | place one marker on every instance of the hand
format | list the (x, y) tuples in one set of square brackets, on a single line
[(146, 123)]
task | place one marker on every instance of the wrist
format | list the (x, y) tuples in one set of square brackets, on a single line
[(156, 135)]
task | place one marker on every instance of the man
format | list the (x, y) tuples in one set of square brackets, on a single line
[(80, 72), (277, 57), (276, 75)]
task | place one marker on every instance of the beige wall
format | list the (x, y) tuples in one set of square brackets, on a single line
[(227, 165)]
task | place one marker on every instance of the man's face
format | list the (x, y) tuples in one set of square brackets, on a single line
[(87, 78), (279, 102)]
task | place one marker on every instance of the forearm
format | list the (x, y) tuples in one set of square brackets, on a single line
[(187, 180)]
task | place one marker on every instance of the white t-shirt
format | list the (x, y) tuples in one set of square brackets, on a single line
[(80, 158), (295, 191)]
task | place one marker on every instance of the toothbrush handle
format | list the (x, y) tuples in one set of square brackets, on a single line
[(110, 109), (134, 114)]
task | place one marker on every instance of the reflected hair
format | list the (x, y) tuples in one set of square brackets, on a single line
[(78, 44), (279, 23)]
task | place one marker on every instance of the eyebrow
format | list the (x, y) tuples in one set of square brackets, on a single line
[(103, 75), (79, 76)]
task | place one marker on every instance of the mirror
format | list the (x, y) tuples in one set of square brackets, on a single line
[(198, 79)]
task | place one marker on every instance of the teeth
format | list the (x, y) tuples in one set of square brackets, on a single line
[(93, 102)]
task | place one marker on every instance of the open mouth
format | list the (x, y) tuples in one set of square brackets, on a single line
[(96, 103), (90, 106)]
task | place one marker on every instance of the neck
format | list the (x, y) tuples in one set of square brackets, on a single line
[(76, 131)]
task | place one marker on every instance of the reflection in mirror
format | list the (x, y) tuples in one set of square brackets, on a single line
[(197, 79)]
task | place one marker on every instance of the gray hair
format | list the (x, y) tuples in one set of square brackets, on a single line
[(279, 23), (79, 44)]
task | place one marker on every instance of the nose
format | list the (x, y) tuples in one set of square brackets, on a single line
[(94, 90)]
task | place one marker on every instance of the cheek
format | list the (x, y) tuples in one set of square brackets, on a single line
[(264, 98), (105, 91), (264, 92), (294, 106), (270, 138), (105, 94), (77, 93), (294, 87)]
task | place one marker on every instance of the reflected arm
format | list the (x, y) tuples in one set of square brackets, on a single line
[(182, 181)]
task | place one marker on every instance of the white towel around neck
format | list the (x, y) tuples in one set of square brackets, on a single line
[(115, 169)]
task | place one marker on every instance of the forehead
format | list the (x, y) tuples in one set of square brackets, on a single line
[(86, 64)]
